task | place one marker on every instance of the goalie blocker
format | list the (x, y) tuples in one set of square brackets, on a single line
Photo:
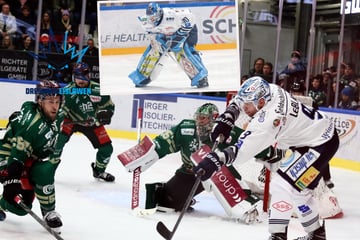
[(233, 194)]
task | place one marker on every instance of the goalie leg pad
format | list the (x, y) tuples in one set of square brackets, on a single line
[(146, 65), (153, 194), (191, 63), (235, 200), (177, 189)]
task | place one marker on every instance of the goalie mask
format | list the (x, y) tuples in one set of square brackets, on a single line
[(253, 89), (154, 14), (205, 117)]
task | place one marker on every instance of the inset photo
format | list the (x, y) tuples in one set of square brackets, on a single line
[(166, 47)]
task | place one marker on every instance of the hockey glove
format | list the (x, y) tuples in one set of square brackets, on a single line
[(104, 116), (161, 39), (12, 117), (208, 166), (274, 155), (12, 185), (223, 125)]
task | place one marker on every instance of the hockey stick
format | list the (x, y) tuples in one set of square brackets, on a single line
[(136, 179), (160, 227), (20, 202), (90, 121)]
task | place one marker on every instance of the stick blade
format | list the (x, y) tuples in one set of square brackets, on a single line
[(163, 230)]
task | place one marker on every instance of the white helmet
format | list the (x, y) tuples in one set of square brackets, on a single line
[(154, 13), (254, 89)]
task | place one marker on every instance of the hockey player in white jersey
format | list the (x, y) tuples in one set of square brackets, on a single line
[(279, 119), (170, 30)]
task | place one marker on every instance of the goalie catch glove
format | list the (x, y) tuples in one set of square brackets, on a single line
[(104, 116), (225, 122)]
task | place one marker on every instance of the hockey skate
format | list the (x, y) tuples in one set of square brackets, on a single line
[(107, 177), (318, 234), (2, 215), (203, 83), (52, 219), (143, 83)]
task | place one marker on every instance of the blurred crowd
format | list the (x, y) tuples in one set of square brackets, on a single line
[(18, 32), (18, 25), (322, 87)]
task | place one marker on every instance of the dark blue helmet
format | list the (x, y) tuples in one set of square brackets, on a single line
[(81, 71)]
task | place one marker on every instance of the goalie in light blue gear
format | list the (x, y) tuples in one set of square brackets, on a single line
[(170, 30)]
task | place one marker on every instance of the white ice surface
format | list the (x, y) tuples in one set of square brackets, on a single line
[(94, 210), (223, 67)]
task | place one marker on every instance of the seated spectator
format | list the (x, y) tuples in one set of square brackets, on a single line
[(8, 26), (257, 68), (295, 69), (64, 24), (316, 91), (347, 99), (45, 45), (268, 72), (26, 23), (92, 50), (46, 24), (7, 43), (349, 79), (27, 44)]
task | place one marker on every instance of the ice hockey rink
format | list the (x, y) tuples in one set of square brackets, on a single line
[(222, 65), (95, 210)]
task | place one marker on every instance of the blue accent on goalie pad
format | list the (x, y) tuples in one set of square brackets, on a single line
[(138, 79), (196, 61)]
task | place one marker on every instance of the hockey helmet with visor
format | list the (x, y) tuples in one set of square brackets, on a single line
[(81, 71), (254, 89)]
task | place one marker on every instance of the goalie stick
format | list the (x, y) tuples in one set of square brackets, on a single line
[(160, 227), (136, 179), (20, 202)]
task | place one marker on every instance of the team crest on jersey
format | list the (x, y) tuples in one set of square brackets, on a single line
[(276, 122)]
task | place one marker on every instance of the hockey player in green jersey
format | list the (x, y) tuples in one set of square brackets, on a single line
[(88, 112), (187, 137), (27, 163)]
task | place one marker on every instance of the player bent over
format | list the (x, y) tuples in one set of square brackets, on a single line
[(278, 119), (27, 163), (187, 137), (88, 113), (170, 30)]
